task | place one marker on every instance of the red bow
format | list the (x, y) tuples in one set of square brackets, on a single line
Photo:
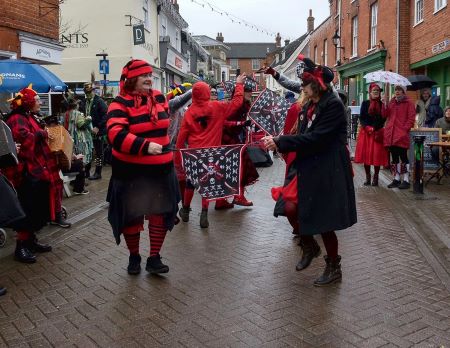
[(316, 75)]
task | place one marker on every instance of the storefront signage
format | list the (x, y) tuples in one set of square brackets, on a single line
[(40, 52), (138, 34), (75, 40), (176, 61), (441, 46)]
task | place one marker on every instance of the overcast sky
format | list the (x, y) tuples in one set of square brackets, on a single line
[(285, 16)]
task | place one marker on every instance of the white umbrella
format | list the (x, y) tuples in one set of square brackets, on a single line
[(387, 77)]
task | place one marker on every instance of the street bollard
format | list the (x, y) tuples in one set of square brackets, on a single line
[(418, 163)]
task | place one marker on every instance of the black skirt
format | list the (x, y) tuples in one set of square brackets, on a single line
[(134, 197), (34, 197), (10, 209)]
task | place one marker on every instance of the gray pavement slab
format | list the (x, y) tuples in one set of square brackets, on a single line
[(235, 284)]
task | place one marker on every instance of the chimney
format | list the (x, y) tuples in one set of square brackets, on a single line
[(286, 42), (278, 40), (310, 22), (219, 37), (175, 4)]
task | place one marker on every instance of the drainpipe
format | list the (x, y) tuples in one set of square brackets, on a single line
[(398, 37)]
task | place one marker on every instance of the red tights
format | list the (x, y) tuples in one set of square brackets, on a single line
[(330, 242), (290, 209), (156, 231), (189, 194)]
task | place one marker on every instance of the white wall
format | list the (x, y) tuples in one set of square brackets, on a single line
[(171, 30), (104, 28)]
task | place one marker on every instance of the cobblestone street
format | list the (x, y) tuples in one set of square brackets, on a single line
[(235, 284)]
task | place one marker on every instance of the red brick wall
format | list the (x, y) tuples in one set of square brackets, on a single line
[(40, 17), (245, 64), (386, 31), (435, 28)]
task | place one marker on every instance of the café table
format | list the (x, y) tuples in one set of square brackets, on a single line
[(444, 164)]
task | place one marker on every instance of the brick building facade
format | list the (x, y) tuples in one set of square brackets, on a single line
[(365, 32), (430, 44), (249, 57), (30, 30), (375, 35)]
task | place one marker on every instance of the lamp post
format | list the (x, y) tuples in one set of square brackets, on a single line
[(336, 42), (103, 55)]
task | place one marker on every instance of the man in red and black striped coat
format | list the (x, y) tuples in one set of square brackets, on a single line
[(143, 181)]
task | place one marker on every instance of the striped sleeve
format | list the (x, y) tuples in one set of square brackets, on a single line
[(119, 135)]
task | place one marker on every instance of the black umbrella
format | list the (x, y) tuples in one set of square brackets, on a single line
[(420, 82)]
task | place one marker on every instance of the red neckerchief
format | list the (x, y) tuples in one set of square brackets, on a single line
[(310, 111), (375, 106)]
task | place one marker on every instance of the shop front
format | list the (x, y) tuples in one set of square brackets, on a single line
[(175, 66), (352, 75), (438, 69)]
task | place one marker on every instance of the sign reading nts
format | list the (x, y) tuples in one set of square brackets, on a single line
[(138, 34)]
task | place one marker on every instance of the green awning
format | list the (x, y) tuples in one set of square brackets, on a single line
[(434, 59), (372, 62)]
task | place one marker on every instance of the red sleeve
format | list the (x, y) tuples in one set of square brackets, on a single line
[(183, 135), (411, 116), (20, 128), (118, 131), (227, 109), (385, 110)]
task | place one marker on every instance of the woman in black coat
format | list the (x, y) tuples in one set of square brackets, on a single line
[(326, 196)]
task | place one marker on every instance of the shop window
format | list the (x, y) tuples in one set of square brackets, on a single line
[(418, 11), (234, 63)]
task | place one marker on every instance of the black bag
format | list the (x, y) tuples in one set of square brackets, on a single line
[(8, 154), (259, 157), (10, 209)]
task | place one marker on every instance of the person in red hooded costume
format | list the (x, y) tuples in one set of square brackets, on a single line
[(202, 127)]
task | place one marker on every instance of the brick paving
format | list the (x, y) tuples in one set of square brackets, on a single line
[(235, 284)]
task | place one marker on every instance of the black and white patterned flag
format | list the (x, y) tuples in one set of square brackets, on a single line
[(269, 112), (215, 171)]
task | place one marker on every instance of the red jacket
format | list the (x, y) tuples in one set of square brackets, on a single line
[(35, 157), (204, 120), (400, 119)]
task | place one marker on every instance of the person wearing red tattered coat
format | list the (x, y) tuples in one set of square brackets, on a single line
[(400, 114)]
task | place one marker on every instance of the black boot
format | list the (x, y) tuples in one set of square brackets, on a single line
[(23, 254), (204, 223), (155, 266), (404, 185), (332, 272), (367, 170), (60, 221), (35, 247), (394, 183), (310, 250), (87, 170), (98, 173), (134, 264), (184, 213), (2, 291)]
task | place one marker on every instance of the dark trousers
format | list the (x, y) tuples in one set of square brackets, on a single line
[(399, 153), (77, 167), (99, 145)]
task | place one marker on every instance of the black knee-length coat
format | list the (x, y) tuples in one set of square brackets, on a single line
[(326, 195)]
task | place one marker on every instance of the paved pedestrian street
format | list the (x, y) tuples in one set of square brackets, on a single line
[(235, 284)]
